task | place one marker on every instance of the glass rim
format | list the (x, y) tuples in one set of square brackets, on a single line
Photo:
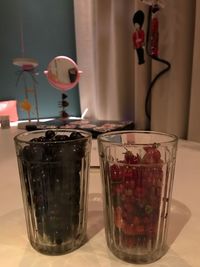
[(27, 133), (100, 138)]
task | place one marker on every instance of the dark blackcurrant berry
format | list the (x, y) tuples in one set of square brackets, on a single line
[(26, 153), (37, 152), (60, 137), (75, 135), (59, 241), (34, 140), (42, 139), (33, 153), (50, 151), (49, 134)]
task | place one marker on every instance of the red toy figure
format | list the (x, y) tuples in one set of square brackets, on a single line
[(139, 36)]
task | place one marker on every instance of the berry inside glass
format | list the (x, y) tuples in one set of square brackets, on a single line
[(137, 180), (53, 167)]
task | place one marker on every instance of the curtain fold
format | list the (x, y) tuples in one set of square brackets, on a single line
[(194, 125), (114, 87)]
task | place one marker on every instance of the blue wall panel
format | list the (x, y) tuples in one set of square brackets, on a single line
[(48, 31)]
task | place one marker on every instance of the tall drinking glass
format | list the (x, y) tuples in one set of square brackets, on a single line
[(54, 169), (137, 170)]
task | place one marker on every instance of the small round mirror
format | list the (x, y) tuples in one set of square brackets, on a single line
[(62, 73)]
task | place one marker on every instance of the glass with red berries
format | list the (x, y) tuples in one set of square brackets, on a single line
[(54, 170), (137, 169)]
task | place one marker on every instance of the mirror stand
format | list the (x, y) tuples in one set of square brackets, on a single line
[(63, 104), (63, 74)]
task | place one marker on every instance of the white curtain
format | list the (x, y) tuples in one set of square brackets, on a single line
[(114, 87)]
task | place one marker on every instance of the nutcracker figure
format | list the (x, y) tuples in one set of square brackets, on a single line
[(139, 35)]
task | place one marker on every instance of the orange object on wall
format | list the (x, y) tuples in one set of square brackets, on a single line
[(9, 108)]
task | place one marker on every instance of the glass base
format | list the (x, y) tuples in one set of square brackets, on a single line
[(139, 259), (56, 250)]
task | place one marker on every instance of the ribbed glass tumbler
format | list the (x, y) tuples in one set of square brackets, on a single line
[(137, 170), (54, 169)]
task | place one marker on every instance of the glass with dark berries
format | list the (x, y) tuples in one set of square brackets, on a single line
[(54, 169), (137, 170)]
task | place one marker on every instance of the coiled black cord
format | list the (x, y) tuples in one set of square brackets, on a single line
[(168, 67)]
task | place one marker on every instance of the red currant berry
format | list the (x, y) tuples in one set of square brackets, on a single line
[(152, 155), (128, 229), (115, 173), (131, 159)]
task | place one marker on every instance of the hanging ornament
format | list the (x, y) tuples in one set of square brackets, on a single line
[(139, 35), (153, 32), (152, 47), (158, 3)]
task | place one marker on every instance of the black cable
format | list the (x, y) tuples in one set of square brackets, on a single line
[(168, 66)]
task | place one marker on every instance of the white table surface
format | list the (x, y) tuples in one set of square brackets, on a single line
[(184, 231)]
